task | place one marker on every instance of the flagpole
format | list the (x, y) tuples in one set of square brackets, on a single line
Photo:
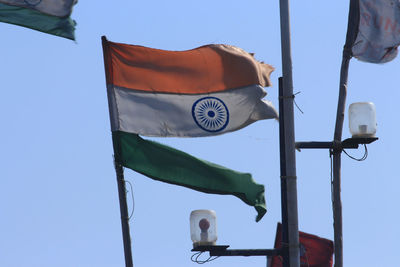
[(290, 233), (337, 141), (123, 206), (124, 214)]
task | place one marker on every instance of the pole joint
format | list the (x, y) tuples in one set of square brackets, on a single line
[(337, 147)]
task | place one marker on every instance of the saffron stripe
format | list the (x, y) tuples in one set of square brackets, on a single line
[(206, 69)]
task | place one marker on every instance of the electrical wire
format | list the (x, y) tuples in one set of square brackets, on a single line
[(211, 258), (195, 258), (364, 157), (133, 200), (332, 198), (294, 101)]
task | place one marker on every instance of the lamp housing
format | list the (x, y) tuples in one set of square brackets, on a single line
[(203, 228), (362, 119)]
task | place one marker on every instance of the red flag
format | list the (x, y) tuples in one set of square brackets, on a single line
[(314, 250)]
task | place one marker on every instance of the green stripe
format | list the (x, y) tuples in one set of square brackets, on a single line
[(63, 27), (172, 166)]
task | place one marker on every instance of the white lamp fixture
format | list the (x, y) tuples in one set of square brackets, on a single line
[(362, 119), (203, 227)]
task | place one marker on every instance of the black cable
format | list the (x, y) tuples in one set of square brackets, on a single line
[(195, 254), (294, 101), (199, 261), (195, 258), (364, 157), (211, 259), (133, 200), (331, 158)]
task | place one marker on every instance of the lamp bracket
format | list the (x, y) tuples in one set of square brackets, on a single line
[(347, 143), (223, 251)]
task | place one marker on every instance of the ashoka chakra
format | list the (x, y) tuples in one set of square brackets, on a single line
[(210, 114)]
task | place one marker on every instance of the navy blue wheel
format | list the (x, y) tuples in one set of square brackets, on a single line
[(210, 114)]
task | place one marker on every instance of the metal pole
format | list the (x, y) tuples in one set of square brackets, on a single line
[(124, 214), (352, 30), (290, 235), (123, 206)]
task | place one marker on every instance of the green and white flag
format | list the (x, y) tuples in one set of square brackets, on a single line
[(48, 16)]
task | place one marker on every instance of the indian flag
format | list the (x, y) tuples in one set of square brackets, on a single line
[(210, 90), (49, 16)]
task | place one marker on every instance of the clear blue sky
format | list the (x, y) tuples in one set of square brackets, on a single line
[(58, 193)]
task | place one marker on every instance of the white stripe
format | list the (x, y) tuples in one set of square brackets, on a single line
[(59, 8), (159, 114)]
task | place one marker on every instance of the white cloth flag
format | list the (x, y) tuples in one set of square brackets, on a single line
[(59, 8), (378, 32)]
